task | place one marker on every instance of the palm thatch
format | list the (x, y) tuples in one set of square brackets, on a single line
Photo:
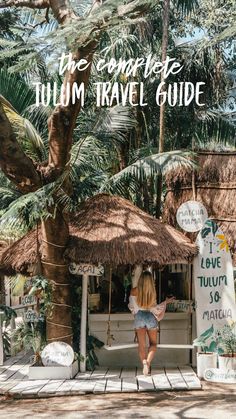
[(20, 256), (109, 230), (214, 184), (9, 271)]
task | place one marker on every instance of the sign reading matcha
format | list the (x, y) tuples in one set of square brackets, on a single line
[(191, 216), (57, 353), (213, 279)]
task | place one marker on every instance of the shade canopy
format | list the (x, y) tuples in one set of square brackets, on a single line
[(109, 230)]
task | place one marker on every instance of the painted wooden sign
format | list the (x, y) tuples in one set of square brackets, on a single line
[(57, 353), (32, 316), (180, 306), (86, 269), (216, 375), (213, 279), (191, 216), (28, 299)]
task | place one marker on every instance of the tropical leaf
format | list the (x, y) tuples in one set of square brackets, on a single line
[(16, 91), (212, 347), (205, 231), (25, 131), (187, 6), (207, 333), (156, 164)]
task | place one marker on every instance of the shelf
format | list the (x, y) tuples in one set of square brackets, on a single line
[(100, 317)]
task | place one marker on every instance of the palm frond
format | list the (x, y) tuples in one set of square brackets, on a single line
[(7, 195), (187, 6), (25, 131), (155, 164), (28, 209), (16, 91), (215, 126)]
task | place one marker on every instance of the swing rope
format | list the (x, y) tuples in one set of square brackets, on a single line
[(110, 337)]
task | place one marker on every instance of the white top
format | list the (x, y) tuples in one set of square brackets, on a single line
[(158, 310)]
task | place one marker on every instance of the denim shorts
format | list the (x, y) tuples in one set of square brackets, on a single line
[(144, 319)]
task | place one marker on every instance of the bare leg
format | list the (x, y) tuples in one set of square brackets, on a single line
[(141, 333), (152, 335)]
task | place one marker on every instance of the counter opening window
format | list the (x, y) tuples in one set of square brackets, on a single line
[(111, 346)]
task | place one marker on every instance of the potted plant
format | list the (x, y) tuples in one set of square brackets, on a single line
[(207, 357), (29, 336), (227, 347)]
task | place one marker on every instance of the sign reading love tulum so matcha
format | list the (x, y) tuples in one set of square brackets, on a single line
[(213, 279)]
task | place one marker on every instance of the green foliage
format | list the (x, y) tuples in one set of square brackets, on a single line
[(28, 209), (16, 90), (7, 315), (42, 289), (222, 340), (206, 340), (227, 339), (30, 336), (92, 344), (187, 6)]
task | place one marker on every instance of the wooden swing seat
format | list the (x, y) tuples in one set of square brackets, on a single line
[(135, 345)]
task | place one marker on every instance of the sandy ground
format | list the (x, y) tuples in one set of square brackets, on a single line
[(215, 401)]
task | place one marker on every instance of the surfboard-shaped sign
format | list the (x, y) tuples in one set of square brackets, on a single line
[(213, 279)]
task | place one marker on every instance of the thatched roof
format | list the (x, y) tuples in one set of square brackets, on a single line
[(215, 185), (20, 255), (109, 230), (3, 247)]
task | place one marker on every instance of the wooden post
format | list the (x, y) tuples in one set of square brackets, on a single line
[(83, 326)]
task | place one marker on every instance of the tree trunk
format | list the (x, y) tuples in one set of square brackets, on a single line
[(166, 14), (55, 236), (2, 290)]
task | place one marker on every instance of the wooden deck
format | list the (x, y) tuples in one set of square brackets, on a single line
[(14, 380)]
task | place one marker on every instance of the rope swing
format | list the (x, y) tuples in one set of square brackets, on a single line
[(110, 337)]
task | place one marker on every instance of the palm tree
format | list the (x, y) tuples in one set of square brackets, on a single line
[(82, 37)]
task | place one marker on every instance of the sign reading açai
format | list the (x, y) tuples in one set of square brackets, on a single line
[(86, 269)]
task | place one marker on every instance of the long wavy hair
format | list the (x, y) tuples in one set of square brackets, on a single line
[(146, 296)]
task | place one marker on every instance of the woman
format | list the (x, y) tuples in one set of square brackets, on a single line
[(147, 314)]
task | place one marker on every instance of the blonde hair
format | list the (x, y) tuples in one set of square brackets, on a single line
[(146, 295)]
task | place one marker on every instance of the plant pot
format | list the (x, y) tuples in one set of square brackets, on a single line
[(56, 372), (227, 362), (205, 360)]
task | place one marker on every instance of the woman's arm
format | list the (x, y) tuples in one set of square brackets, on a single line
[(134, 291), (132, 301), (159, 310)]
